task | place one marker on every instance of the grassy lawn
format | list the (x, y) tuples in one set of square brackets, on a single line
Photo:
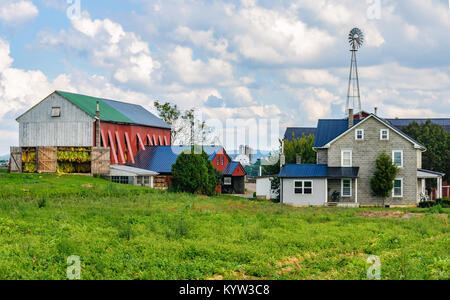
[(126, 232)]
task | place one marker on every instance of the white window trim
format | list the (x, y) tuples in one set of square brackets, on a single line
[(342, 188), (303, 187), (224, 183), (393, 189), (356, 134), (56, 109), (381, 134), (342, 158), (393, 157)]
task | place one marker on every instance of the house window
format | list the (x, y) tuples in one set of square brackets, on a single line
[(56, 112), (359, 134), (303, 187), (307, 187), (398, 188), (147, 180), (120, 179), (218, 160), (223, 160), (346, 158), (346, 187), (384, 134), (227, 181), (397, 158), (139, 180)]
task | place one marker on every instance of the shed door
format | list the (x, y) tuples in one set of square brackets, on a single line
[(15, 161), (101, 161), (46, 157)]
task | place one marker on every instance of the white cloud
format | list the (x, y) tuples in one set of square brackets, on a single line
[(277, 37), (192, 71), (206, 40), (311, 77), (17, 12), (106, 44)]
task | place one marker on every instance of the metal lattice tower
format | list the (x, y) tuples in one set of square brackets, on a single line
[(356, 39)]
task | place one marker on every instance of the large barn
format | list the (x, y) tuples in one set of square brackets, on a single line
[(70, 120)]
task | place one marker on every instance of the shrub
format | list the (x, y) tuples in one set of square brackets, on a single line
[(194, 173), (444, 202), (426, 204), (382, 182)]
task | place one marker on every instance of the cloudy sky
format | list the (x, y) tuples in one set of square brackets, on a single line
[(285, 60)]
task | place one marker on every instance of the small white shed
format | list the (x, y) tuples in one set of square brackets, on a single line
[(130, 175), (264, 187)]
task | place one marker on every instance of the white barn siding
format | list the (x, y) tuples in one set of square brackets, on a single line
[(317, 198), (38, 128)]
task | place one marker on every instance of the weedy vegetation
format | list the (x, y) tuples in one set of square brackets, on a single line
[(127, 232)]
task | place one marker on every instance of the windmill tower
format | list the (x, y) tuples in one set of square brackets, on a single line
[(356, 39)]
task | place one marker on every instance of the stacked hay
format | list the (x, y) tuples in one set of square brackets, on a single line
[(74, 160)]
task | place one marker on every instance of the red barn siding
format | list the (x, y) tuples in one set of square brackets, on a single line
[(239, 171), (134, 136)]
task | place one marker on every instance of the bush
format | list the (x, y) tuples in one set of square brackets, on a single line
[(444, 202), (194, 173), (427, 204)]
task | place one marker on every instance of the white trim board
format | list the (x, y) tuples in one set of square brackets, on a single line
[(416, 144)]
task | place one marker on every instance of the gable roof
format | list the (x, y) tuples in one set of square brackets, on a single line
[(400, 123), (114, 111), (230, 168), (327, 128), (161, 158), (317, 171), (298, 132)]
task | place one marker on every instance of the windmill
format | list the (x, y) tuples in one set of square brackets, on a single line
[(356, 40)]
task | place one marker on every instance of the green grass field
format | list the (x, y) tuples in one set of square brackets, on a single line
[(126, 232)]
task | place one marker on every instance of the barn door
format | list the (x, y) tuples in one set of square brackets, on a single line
[(46, 157), (15, 162), (101, 160)]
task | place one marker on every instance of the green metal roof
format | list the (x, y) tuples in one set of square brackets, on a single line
[(89, 105)]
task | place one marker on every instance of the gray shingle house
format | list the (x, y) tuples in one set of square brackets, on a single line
[(346, 153)]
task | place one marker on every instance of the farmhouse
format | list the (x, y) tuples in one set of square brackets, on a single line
[(161, 158), (67, 128), (346, 153)]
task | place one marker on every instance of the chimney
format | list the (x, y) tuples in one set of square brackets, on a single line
[(376, 111), (298, 160), (97, 126), (351, 118)]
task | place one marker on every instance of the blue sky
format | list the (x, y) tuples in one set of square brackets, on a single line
[(284, 60)]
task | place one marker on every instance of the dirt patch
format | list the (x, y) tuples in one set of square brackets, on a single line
[(216, 277), (382, 214), (89, 186)]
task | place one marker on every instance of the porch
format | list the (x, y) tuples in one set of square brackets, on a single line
[(422, 176), (342, 192)]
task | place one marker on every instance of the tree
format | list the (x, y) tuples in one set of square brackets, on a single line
[(382, 182), (437, 141), (194, 173), (302, 147), (187, 129), (170, 114)]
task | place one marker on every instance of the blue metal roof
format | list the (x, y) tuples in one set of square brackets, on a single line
[(230, 168), (317, 171), (329, 129), (298, 132), (161, 158), (400, 123), (137, 114)]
